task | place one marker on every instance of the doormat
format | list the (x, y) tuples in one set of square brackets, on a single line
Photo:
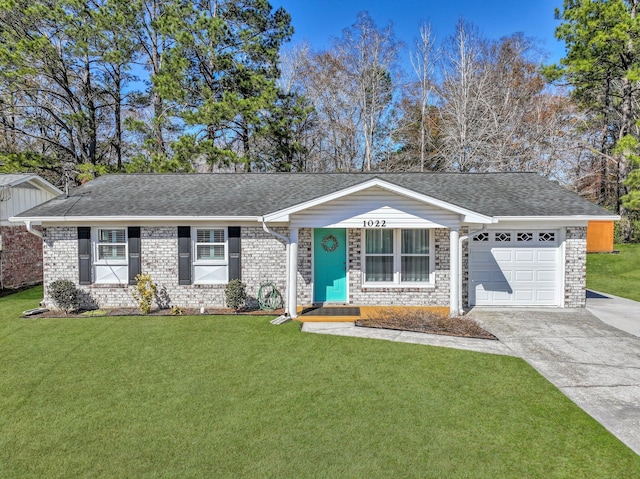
[(328, 311)]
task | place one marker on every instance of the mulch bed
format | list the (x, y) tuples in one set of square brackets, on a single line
[(431, 323), (155, 312), (417, 321)]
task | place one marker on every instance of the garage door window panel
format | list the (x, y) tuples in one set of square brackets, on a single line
[(524, 237), (502, 237), (546, 237), (481, 237)]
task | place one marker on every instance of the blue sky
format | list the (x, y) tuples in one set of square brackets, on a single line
[(317, 21)]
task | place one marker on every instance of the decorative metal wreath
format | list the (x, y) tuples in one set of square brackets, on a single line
[(329, 243)]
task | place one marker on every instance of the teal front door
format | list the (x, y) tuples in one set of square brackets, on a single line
[(330, 265)]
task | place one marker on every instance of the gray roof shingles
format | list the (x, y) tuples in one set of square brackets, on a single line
[(255, 194)]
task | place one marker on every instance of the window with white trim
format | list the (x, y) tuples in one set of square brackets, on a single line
[(397, 256), (379, 256), (110, 253), (210, 255)]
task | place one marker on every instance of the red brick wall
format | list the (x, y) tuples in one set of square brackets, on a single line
[(20, 258)]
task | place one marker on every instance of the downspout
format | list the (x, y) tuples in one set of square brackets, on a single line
[(287, 242), (460, 240), (31, 230)]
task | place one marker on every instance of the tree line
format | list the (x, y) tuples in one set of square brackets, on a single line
[(468, 104), (138, 85), (95, 86)]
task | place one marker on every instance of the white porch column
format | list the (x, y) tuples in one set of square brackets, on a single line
[(293, 273), (454, 271)]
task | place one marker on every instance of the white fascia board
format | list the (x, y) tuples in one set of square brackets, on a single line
[(18, 181), (556, 219), (45, 185), (467, 215), (65, 220), (38, 182)]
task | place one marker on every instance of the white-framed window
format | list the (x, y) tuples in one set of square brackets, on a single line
[(397, 257), (379, 256), (111, 255), (210, 255)]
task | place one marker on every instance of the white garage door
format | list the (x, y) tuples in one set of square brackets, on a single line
[(514, 268)]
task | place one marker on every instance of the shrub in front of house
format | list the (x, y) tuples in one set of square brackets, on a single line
[(144, 292), (64, 295), (235, 294)]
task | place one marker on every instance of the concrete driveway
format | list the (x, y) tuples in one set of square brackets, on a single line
[(618, 312), (594, 364)]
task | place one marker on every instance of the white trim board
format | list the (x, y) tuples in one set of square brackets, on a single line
[(468, 215)]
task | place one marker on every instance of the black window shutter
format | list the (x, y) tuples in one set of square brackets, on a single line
[(234, 253), (184, 255), (135, 261), (84, 255)]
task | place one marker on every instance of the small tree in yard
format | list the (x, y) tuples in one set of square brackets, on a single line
[(64, 294), (235, 294), (144, 292)]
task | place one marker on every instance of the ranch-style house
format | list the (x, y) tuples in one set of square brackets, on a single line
[(443, 239)]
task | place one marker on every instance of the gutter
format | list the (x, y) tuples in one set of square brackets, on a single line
[(287, 241), (55, 220), (30, 229), (610, 217)]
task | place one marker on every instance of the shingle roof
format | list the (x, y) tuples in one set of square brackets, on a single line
[(254, 194)]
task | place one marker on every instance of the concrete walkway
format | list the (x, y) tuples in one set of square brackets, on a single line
[(596, 365), (349, 329)]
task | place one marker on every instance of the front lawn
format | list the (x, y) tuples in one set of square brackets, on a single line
[(618, 274), (199, 397)]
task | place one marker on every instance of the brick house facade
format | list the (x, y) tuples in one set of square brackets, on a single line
[(264, 260), (456, 240), (20, 258)]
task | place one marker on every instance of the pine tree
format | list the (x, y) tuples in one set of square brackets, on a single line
[(602, 65)]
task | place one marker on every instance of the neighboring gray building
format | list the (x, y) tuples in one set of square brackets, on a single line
[(446, 239)]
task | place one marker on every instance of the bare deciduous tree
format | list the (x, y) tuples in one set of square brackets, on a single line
[(423, 61), (464, 98), (369, 54)]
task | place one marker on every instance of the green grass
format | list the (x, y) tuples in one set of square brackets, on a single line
[(618, 274), (196, 397)]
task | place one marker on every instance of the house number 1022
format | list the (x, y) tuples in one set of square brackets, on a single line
[(375, 223)]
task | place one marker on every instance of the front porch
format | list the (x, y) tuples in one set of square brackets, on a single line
[(341, 314), (345, 272), (374, 243)]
